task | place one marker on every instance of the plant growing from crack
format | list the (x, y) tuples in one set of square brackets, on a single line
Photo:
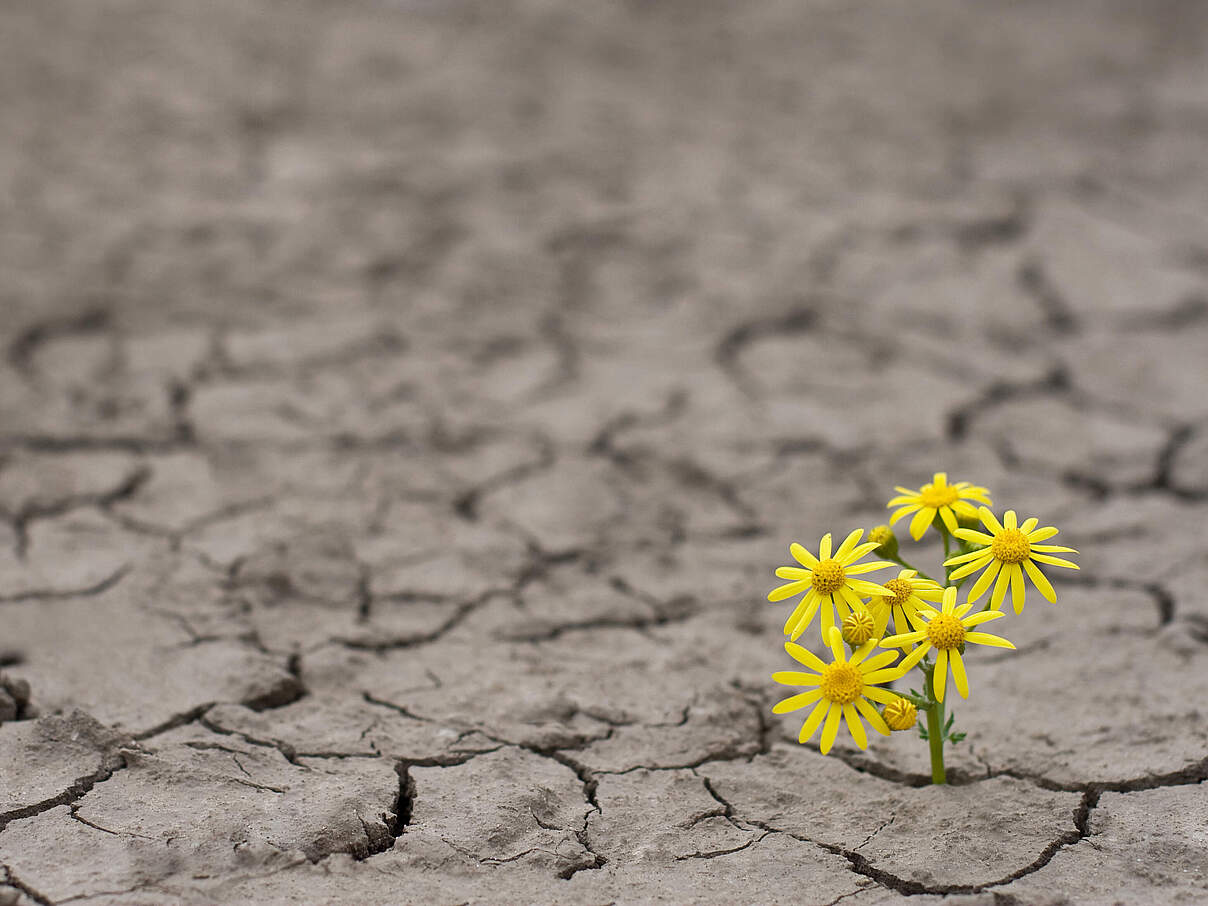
[(933, 639)]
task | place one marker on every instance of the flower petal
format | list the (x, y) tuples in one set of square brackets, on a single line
[(982, 616), (810, 727), (802, 556), (852, 539), (949, 518), (903, 639), (1017, 587), (958, 673), (795, 678), (1042, 534), (882, 676), (904, 511), (831, 729), (788, 590), (875, 720), (877, 694), (922, 519), (824, 548), (988, 520), (876, 662), (792, 572), (1029, 525), (796, 702), (985, 638), (1043, 585), (983, 581), (968, 534), (1000, 588), (828, 616), (986, 559), (854, 726), (805, 656), (801, 617), (858, 656), (1054, 561), (864, 587), (835, 640), (963, 558), (913, 657), (940, 678)]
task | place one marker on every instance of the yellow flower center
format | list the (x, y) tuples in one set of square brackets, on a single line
[(858, 627), (841, 683), (945, 631), (1011, 546), (900, 714), (879, 533), (902, 590), (828, 577), (936, 496)]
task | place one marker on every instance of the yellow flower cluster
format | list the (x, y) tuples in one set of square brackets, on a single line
[(926, 619)]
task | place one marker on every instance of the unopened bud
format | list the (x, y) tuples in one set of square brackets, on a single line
[(888, 541), (858, 627), (900, 714)]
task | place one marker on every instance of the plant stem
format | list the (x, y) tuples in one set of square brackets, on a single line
[(935, 731), (900, 562)]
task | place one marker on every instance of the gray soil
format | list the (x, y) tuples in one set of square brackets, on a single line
[(405, 403)]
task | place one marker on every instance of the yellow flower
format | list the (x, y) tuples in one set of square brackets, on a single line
[(949, 500), (845, 688), (900, 715), (829, 582), (1008, 552), (909, 594), (946, 632)]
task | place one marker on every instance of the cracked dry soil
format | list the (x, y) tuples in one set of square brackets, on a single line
[(405, 405)]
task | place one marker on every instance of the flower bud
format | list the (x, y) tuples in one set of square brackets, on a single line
[(858, 627), (900, 714), (888, 541)]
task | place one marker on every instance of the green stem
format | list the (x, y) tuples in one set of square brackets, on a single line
[(900, 562), (944, 535), (935, 731)]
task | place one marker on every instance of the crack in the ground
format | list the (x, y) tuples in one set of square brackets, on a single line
[(21, 351), (717, 853), (999, 392), (38, 510), (110, 764), (861, 865), (466, 504), (729, 350), (1034, 281), (10, 878), (76, 816), (52, 594)]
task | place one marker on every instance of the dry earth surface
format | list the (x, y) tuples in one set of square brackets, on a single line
[(405, 405)]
